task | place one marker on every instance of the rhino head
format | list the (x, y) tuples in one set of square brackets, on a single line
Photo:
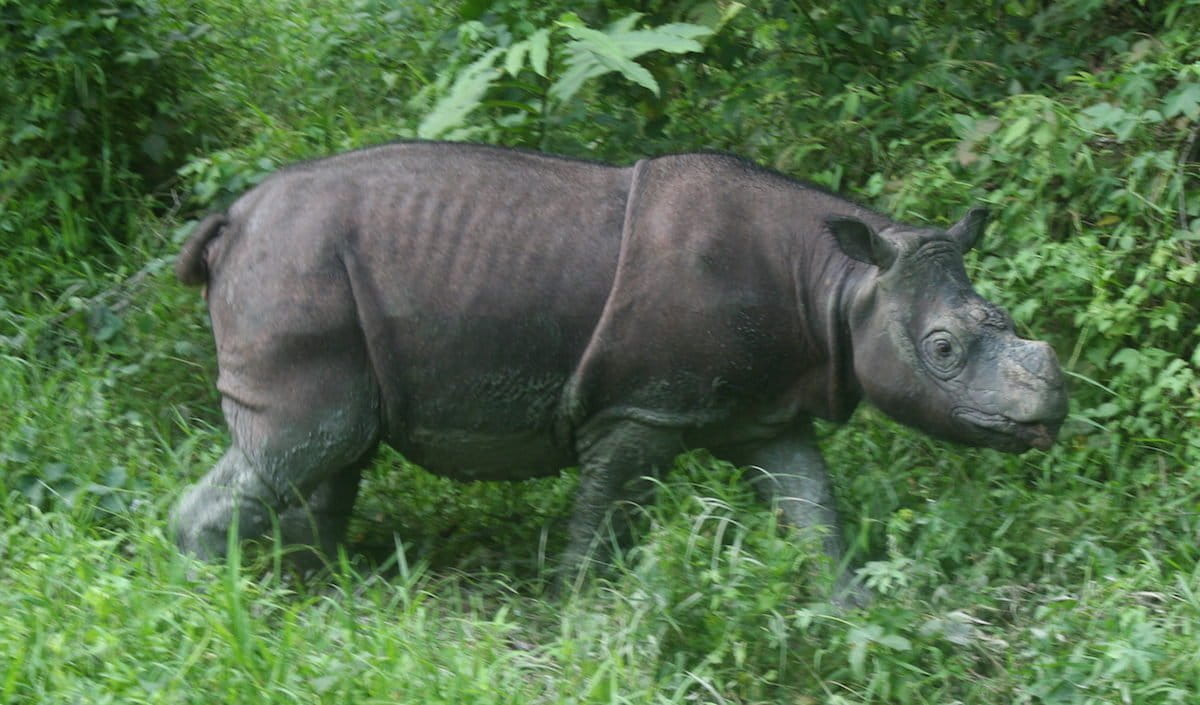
[(932, 353)]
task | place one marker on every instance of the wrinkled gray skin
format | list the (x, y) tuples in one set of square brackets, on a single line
[(495, 314)]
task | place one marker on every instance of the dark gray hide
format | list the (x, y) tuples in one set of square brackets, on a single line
[(496, 314)]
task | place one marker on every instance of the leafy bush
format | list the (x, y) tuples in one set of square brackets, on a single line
[(94, 113), (579, 55)]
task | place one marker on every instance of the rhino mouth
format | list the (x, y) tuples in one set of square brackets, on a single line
[(1006, 433)]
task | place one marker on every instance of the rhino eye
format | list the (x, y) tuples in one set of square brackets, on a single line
[(943, 354)]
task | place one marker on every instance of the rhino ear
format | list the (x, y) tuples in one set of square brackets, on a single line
[(859, 241), (969, 230)]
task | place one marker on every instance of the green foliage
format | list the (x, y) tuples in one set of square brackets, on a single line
[(583, 54), (1062, 577), (93, 115)]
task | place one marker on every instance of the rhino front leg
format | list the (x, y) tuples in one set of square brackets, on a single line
[(615, 471), (788, 473)]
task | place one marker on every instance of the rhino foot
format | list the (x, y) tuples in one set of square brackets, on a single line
[(230, 494)]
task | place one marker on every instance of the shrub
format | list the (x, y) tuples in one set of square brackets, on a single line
[(94, 115)]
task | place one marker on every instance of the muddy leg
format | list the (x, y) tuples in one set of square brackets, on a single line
[(298, 466), (232, 490), (614, 469), (789, 473)]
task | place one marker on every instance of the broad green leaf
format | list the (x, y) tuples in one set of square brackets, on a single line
[(539, 51), (860, 638), (1103, 116), (1016, 131), (731, 10), (1184, 100), (515, 57), (569, 19), (895, 642), (1127, 357), (858, 659)]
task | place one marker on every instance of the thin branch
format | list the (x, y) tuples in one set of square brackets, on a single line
[(1185, 158)]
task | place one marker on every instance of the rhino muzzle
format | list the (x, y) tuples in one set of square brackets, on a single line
[(1034, 403), (1005, 433)]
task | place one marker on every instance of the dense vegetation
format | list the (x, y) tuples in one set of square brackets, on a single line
[(1069, 576)]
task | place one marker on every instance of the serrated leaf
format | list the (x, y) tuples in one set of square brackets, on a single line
[(687, 30), (594, 53), (594, 40), (624, 24), (571, 80), (1103, 116), (632, 44), (464, 96), (638, 74)]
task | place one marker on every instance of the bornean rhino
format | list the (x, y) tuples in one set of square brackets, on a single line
[(501, 314)]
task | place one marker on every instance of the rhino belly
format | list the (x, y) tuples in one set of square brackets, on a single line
[(474, 455), (478, 425)]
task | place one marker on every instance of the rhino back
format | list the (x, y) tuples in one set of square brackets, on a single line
[(472, 277)]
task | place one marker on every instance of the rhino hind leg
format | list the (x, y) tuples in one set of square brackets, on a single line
[(789, 474), (319, 522), (232, 492), (295, 469)]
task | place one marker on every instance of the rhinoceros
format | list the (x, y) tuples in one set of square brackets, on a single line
[(501, 314)]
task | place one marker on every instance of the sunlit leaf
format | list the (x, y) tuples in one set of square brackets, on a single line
[(515, 58), (539, 51), (1184, 100), (464, 96)]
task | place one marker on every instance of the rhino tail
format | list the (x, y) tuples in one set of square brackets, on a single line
[(191, 267)]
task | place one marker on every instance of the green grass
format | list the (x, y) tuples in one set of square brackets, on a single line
[(1066, 577), (1059, 577)]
